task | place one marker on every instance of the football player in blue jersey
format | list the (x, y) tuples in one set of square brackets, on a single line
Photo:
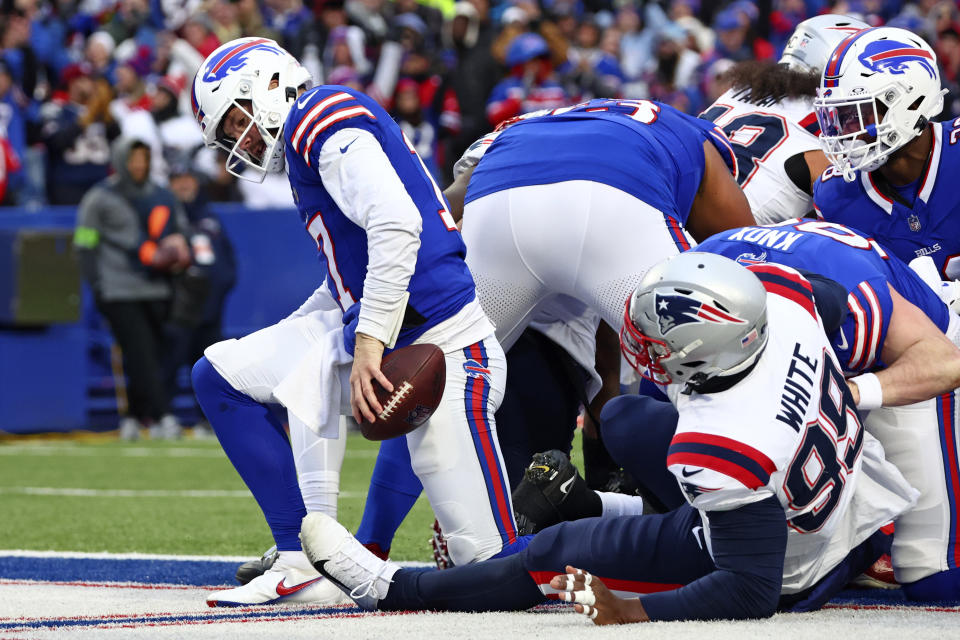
[(890, 178), (764, 528), (395, 275)]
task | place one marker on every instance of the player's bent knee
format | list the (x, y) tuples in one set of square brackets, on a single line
[(204, 377)]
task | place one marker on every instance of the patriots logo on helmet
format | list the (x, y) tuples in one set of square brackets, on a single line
[(234, 58), (893, 57), (675, 310), (746, 259), (474, 369)]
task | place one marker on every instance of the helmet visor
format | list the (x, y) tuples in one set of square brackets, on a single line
[(849, 132)]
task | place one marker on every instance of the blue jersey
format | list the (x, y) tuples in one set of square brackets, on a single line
[(919, 220), (647, 149), (441, 284), (851, 259)]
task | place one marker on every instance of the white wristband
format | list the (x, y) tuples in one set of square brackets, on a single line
[(871, 393)]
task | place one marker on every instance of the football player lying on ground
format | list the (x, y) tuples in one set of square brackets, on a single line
[(395, 275), (737, 347), (890, 318)]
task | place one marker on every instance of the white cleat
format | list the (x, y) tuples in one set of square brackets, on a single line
[(340, 557), (290, 580)]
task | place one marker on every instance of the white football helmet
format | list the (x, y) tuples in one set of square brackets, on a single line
[(693, 317), (239, 74), (877, 92), (814, 39)]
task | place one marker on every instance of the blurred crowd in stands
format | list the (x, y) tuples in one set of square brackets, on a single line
[(75, 74)]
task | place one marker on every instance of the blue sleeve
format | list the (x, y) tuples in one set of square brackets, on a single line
[(748, 548)]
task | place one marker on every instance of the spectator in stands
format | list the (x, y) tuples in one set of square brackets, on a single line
[(732, 27), (77, 131), (132, 21), (531, 85), (472, 73), (177, 131), (948, 55), (200, 292), (198, 32), (130, 241), (409, 114), (13, 135), (99, 54)]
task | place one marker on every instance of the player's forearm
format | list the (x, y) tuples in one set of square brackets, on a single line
[(927, 369)]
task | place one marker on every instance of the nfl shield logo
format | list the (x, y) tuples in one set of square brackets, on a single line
[(914, 222)]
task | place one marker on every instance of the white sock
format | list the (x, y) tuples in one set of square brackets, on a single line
[(320, 490), (620, 504), (318, 462), (295, 560)]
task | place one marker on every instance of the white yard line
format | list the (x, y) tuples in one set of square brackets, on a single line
[(88, 450), (77, 492)]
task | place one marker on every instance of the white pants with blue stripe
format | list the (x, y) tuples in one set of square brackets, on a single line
[(580, 239), (923, 441), (456, 454)]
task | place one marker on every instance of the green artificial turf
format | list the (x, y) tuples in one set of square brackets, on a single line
[(164, 520)]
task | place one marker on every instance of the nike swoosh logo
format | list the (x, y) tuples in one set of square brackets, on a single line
[(843, 341), (684, 473), (565, 487), (697, 535), (344, 149), (283, 590), (302, 102)]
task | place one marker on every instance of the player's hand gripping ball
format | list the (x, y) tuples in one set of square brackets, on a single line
[(418, 374)]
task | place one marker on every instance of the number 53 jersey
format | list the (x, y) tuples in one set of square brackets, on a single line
[(789, 429)]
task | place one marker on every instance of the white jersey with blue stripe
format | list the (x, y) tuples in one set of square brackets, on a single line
[(381, 223), (850, 258), (646, 149)]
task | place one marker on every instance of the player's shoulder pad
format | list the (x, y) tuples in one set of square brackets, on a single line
[(317, 111), (830, 188), (786, 282)]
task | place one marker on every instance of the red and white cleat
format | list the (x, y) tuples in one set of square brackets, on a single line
[(878, 576), (290, 579)]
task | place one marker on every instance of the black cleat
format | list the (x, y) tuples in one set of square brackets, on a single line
[(552, 491), (250, 570)]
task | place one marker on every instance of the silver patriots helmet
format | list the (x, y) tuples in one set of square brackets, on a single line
[(693, 317)]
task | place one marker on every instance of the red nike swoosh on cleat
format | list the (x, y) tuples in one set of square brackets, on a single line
[(285, 591)]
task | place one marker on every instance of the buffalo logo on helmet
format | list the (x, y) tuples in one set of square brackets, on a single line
[(220, 65), (890, 56), (676, 309)]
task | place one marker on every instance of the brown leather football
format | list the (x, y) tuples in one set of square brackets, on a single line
[(418, 374)]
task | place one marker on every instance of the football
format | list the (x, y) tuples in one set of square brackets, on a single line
[(418, 374)]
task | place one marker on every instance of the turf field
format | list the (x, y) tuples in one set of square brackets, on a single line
[(102, 539), (92, 493)]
